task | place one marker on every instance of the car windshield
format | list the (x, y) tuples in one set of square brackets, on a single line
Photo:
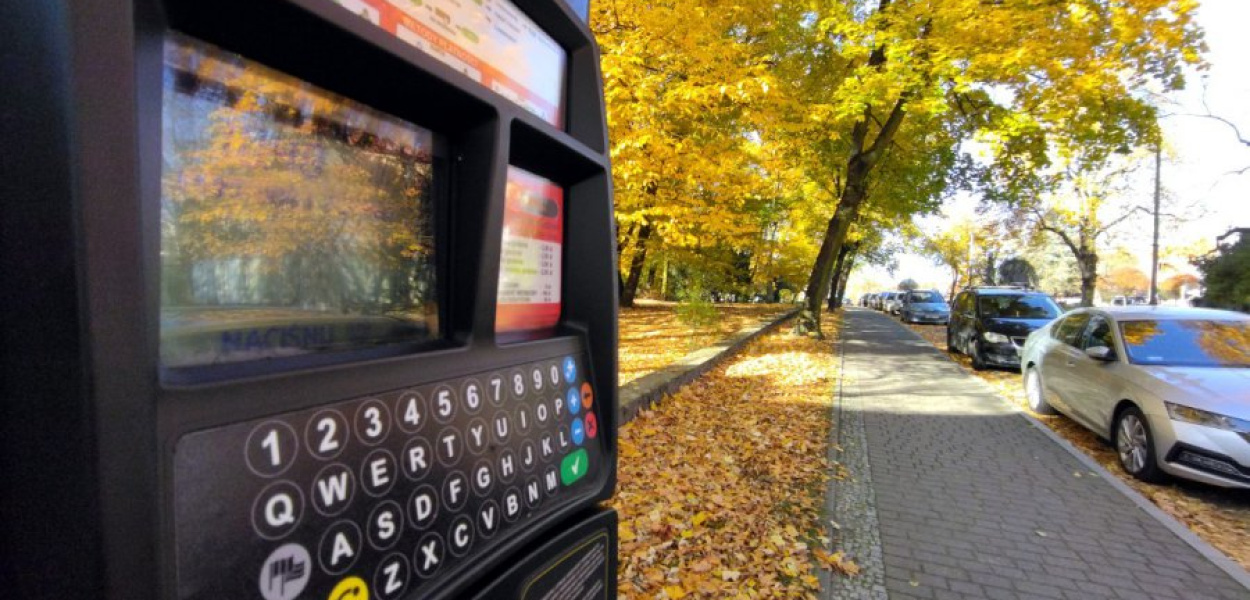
[(1188, 343), (1018, 307), (924, 298)]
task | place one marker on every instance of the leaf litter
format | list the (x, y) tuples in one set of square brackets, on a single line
[(721, 485)]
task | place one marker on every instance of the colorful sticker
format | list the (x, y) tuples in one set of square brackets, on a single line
[(530, 257)]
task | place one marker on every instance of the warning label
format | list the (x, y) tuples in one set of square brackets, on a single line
[(581, 574)]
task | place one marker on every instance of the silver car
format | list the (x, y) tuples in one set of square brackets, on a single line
[(1169, 387)]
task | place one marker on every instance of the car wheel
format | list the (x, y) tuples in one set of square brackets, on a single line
[(1033, 390), (978, 363), (1134, 445)]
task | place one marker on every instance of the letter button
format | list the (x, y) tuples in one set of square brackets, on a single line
[(460, 536), (501, 427), (333, 489), (271, 448), (429, 555), (285, 573), (479, 436), (386, 524), (277, 511), (392, 577), (455, 491), (418, 459), (373, 421), (488, 518), (423, 507), (512, 504), (483, 478), (378, 472), (450, 444), (339, 547)]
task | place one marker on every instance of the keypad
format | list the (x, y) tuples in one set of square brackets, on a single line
[(396, 489)]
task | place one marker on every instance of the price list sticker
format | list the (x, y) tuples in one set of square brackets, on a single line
[(388, 494), (530, 257)]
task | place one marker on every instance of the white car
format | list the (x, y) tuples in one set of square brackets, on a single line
[(1170, 387)]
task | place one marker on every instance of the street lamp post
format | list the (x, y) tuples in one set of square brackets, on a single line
[(1154, 255)]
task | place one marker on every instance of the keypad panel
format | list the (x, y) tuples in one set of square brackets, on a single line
[(394, 492)]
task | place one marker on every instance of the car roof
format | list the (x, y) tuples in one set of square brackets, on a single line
[(1148, 313), (997, 291)]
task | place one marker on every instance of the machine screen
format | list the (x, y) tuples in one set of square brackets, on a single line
[(293, 221)]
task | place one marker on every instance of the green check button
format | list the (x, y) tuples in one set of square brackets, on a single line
[(574, 466)]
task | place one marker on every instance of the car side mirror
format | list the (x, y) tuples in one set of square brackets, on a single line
[(1101, 353)]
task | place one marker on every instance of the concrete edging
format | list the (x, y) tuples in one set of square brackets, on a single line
[(648, 390), (1219, 559)]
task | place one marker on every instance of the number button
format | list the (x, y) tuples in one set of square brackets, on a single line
[(373, 421), (516, 384), (495, 389), (444, 404), (277, 510), (339, 547), (326, 434), (271, 448), (386, 523), (553, 373), (410, 411), (536, 378), (472, 395), (392, 577)]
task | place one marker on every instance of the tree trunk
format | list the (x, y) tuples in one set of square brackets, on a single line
[(1088, 262), (837, 277), (635, 266), (846, 274)]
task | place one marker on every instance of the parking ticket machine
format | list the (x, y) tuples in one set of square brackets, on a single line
[(306, 299)]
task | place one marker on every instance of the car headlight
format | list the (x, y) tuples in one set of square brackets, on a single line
[(994, 338), (1189, 414)]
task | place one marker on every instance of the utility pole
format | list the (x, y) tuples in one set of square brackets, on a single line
[(1154, 255)]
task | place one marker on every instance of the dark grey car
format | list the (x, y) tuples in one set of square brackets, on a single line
[(924, 306)]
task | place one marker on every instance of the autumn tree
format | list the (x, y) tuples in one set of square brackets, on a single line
[(1126, 281), (899, 61), (1174, 286)]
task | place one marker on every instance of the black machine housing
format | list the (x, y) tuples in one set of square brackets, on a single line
[(93, 424)]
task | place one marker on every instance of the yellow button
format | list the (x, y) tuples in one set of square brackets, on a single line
[(351, 588)]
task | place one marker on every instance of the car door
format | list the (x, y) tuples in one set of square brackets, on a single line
[(1059, 359), (1095, 383), (961, 319)]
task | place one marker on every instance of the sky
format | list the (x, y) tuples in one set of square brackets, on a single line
[(1200, 154)]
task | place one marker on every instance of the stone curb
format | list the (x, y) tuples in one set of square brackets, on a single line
[(1224, 563), (648, 390)]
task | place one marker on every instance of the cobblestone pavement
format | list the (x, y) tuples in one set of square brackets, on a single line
[(970, 500)]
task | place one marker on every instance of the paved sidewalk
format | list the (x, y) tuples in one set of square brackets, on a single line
[(961, 497)]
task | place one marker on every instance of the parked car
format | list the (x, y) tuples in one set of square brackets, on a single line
[(892, 302), (924, 306), (990, 324), (863, 299), (878, 299), (1168, 386)]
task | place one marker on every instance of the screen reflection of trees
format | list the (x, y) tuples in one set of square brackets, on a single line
[(1201, 343), (284, 206)]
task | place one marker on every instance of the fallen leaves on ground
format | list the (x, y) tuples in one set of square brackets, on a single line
[(722, 484), (653, 337), (1219, 516)]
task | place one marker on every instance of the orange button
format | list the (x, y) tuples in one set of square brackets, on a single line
[(588, 396)]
